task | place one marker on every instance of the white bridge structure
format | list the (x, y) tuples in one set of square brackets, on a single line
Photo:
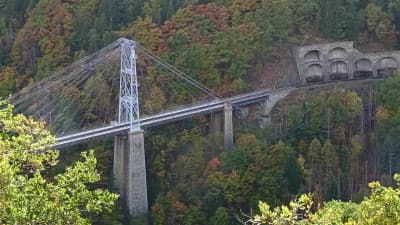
[(129, 167)]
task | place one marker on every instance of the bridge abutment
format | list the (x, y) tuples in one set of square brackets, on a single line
[(130, 172), (228, 127)]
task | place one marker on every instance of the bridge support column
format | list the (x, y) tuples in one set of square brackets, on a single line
[(130, 172), (120, 165), (216, 123), (228, 127)]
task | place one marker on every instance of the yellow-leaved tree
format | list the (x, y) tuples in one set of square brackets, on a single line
[(26, 196), (382, 207)]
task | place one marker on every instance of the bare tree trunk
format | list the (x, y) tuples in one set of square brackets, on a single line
[(375, 167), (390, 165), (287, 118), (366, 172), (338, 185), (310, 181), (351, 187), (329, 124), (377, 158), (362, 124)]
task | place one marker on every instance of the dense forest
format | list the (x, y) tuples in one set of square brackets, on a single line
[(331, 144)]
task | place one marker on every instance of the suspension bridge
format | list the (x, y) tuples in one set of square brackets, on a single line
[(58, 95)]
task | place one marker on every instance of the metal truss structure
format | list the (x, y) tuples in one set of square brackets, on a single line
[(128, 95)]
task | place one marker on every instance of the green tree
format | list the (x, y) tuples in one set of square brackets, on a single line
[(379, 23), (330, 166), (315, 163), (341, 19), (8, 82), (26, 195), (221, 217), (283, 214), (381, 208), (293, 172)]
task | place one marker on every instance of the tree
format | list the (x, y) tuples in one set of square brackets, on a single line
[(293, 172), (341, 18), (330, 166), (314, 163), (27, 195), (42, 44), (8, 81), (283, 214), (394, 10), (221, 217), (381, 207), (379, 23)]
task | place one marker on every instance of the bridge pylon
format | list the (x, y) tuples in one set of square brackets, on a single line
[(128, 91), (129, 157)]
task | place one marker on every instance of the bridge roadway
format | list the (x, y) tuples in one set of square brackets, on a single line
[(167, 117), (186, 112)]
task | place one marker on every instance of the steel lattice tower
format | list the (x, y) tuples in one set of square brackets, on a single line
[(128, 95)]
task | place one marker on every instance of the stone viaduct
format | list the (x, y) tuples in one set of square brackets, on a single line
[(341, 61)]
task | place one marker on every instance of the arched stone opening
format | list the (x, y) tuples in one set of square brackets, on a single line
[(363, 68), (339, 71), (337, 53), (386, 66), (313, 73), (312, 56)]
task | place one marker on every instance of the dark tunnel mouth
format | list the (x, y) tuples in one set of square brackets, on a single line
[(339, 76), (384, 72), (363, 73), (314, 79)]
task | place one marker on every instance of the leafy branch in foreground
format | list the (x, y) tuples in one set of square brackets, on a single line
[(26, 196), (380, 208)]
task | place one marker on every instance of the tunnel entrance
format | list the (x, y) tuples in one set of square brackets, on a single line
[(314, 79), (385, 72), (363, 68), (313, 73), (363, 74), (338, 76), (387, 66), (339, 71)]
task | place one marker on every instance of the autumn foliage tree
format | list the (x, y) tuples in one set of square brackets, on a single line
[(381, 207), (27, 196)]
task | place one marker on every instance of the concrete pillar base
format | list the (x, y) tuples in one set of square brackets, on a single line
[(130, 172), (228, 127)]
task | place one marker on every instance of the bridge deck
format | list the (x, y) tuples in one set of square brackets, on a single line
[(165, 117), (184, 112)]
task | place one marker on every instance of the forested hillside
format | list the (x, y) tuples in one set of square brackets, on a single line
[(331, 142), (218, 41)]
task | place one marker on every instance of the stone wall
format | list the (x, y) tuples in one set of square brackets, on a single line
[(341, 61)]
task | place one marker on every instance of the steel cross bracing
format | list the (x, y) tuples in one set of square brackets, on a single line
[(128, 95)]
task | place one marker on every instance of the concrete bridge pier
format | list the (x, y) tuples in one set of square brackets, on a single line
[(130, 171), (216, 123), (228, 127)]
